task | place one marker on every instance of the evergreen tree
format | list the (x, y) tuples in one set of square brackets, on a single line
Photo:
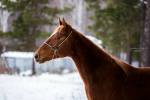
[(117, 25), (33, 14)]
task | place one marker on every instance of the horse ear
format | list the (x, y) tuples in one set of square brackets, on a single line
[(60, 22), (64, 23)]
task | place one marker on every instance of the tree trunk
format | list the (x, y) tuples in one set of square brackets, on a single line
[(33, 33), (33, 67), (145, 35), (34, 25), (130, 54), (143, 14)]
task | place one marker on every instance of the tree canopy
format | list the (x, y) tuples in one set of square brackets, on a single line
[(32, 15), (117, 25)]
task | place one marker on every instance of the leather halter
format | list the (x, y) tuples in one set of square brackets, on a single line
[(56, 48)]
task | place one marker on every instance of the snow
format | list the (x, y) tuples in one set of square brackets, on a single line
[(43, 87), (65, 71), (26, 73), (16, 54)]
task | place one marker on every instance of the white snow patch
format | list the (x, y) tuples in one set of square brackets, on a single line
[(16, 54), (26, 73), (65, 71), (43, 87)]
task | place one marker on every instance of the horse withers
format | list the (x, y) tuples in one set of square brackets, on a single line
[(105, 77)]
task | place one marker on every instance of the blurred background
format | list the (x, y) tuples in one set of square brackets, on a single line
[(120, 27)]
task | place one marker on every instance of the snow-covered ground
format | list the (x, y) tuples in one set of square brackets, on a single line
[(42, 87)]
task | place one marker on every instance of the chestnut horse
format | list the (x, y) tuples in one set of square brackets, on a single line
[(105, 77)]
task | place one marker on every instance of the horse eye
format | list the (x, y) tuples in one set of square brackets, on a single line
[(57, 38)]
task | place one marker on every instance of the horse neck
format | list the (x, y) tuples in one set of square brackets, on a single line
[(88, 57)]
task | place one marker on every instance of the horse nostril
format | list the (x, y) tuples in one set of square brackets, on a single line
[(36, 56)]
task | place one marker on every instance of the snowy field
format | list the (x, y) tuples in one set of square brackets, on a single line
[(42, 87)]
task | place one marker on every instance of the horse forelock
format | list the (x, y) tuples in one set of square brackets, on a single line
[(55, 31), (125, 67)]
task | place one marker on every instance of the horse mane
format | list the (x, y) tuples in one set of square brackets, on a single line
[(123, 65)]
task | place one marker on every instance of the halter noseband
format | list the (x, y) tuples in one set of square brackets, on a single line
[(56, 48)]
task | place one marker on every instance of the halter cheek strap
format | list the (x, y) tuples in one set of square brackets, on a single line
[(56, 48)]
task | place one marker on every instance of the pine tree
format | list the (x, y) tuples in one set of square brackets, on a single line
[(118, 25), (33, 14)]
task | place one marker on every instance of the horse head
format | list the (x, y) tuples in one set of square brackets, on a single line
[(58, 45)]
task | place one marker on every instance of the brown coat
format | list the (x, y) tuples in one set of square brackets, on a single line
[(105, 77)]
